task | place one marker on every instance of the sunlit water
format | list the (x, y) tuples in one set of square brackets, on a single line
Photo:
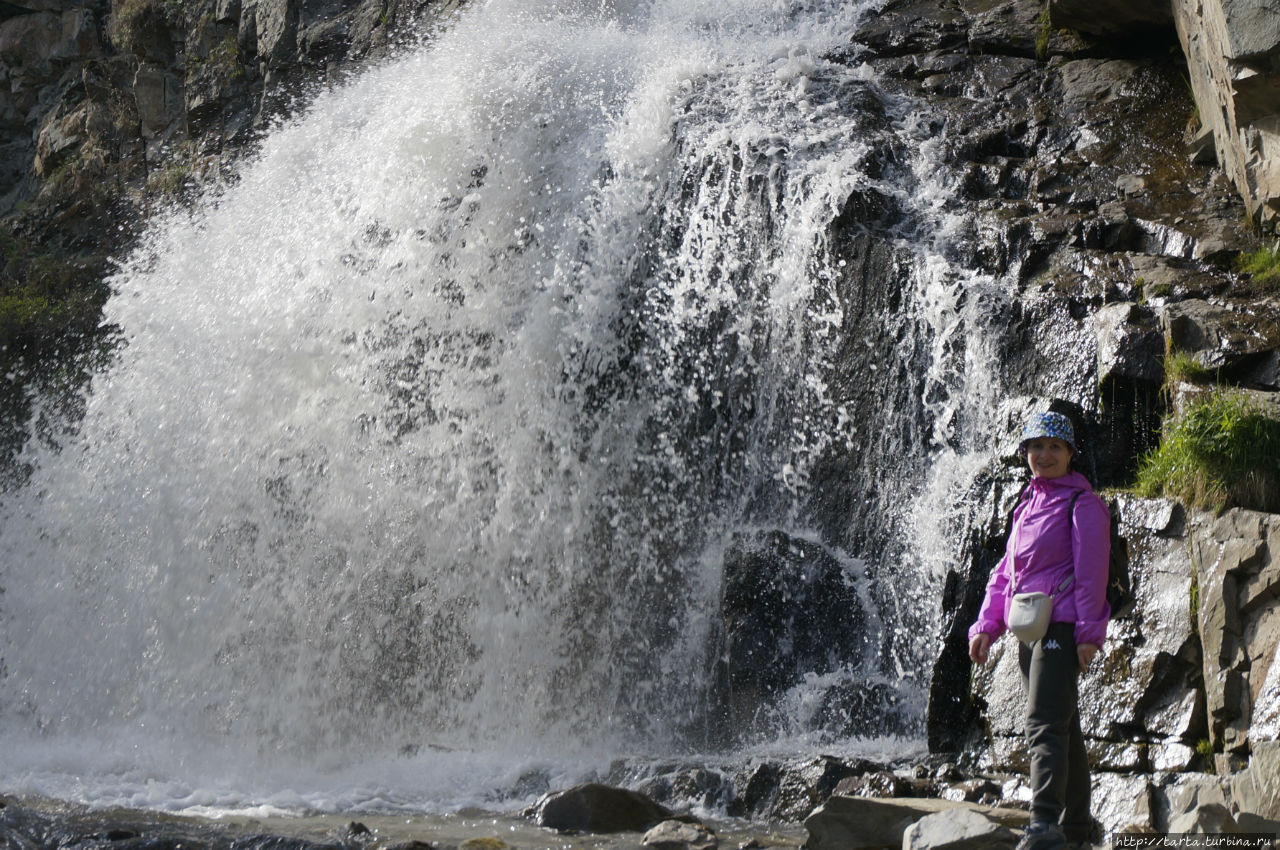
[(417, 471)]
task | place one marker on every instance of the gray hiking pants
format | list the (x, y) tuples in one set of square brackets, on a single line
[(1059, 763)]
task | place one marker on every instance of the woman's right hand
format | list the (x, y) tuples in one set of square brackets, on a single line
[(980, 647)]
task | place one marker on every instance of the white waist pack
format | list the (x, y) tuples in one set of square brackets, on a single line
[(1029, 615)]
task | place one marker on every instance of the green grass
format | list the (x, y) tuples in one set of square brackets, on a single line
[(1181, 367), (1204, 749), (1263, 265), (1222, 452)]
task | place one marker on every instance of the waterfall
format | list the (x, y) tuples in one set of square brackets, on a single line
[(428, 435)]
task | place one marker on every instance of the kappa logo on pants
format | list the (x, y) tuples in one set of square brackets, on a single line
[(1052, 644)]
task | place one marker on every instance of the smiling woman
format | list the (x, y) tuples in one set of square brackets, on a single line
[(1058, 550)]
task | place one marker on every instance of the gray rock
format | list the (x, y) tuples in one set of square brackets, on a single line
[(678, 835), (1239, 622), (1124, 802), (1256, 790), (1181, 793), (957, 829), (593, 807), (848, 823), (1209, 819), (1230, 47)]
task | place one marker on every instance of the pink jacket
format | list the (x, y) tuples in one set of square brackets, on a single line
[(1047, 547)]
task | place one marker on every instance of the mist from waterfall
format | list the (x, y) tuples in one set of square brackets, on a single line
[(429, 435)]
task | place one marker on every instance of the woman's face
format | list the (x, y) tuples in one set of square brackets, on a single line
[(1048, 457)]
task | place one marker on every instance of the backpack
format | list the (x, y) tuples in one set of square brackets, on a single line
[(1119, 585)]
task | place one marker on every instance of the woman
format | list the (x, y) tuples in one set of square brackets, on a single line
[(1059, 544)]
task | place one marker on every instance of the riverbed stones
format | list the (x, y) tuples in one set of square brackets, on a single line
[(678, 835), (849, 823)]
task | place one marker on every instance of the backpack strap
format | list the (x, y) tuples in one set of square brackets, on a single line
[(1071, 522), (1013, 518)]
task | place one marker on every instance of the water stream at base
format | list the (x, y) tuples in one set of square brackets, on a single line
[(418, 468)]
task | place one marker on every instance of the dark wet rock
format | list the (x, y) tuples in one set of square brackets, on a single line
[(881, 783), (1130, 344), (789, 607), (982, 791), (690, 788), (757, 791), (802, 789), (1111, 17), (1234, 338), (910, 27), (593, 807)]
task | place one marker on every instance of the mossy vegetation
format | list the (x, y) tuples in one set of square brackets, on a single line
[(1263, 265), (1043, 33), (1222, 452)]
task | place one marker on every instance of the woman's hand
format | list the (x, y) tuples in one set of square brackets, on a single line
[(979, 647), (1084, 652)]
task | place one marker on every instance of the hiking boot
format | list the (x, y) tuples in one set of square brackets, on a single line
[(1042, 836)]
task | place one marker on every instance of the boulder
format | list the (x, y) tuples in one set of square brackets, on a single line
[(790, 609), (957, 829), (848, 823), (1125, 803), (593, 807), (1130, 344), (1209, 819), (804, 787), (678, 835)]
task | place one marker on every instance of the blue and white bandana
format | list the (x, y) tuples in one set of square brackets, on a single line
[(1047, 425)]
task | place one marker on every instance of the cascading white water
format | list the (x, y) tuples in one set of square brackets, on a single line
[(431, 431)]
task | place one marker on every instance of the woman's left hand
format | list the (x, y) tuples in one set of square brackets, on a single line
[(1085, 652)]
